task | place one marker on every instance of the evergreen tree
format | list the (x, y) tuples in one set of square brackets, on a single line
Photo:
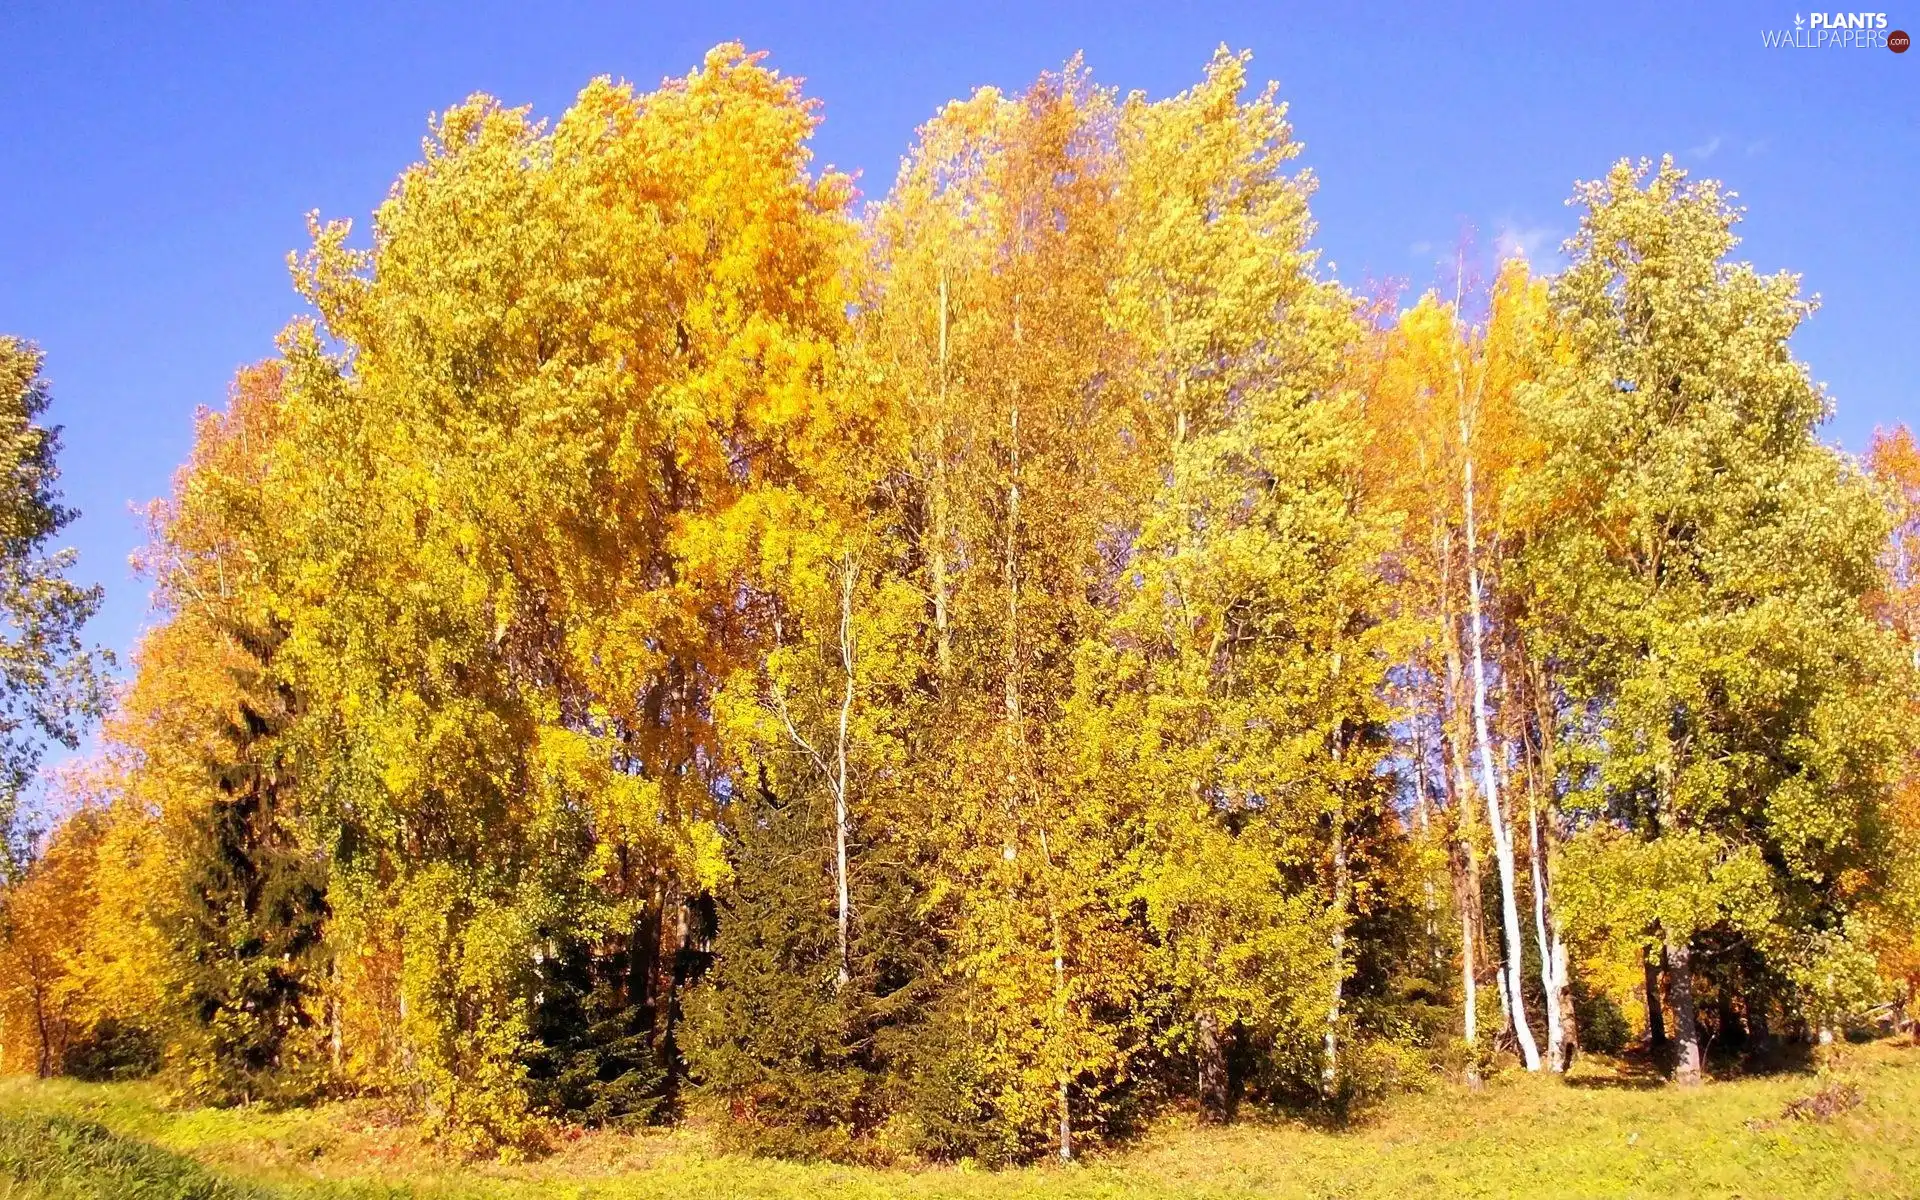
[(246, 929)]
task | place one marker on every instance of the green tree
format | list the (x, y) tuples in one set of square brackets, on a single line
[(50, 682), (1697, 566)]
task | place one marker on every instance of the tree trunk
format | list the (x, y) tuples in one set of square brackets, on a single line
[(1759, 1032), (1466, 887), (937, 557), (1423, 821), (1211, 1056), (1563, 1037), (336, 1041), (1686, 1024), (1330, 1067), (1490, 786), (1656, 1018), (1466, 859), (1060, 1000), (670, 998), (43, 1058), (1553, 954), (843, 892), (1066, 1122)]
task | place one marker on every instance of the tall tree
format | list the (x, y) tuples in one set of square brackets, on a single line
[(1227, 712), (1697, 571), (504, 719), (1445, 413), (50, 682)]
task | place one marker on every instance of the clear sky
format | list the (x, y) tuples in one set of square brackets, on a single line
[(156, 159)]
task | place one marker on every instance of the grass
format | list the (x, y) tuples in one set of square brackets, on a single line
[(1607, 1131)]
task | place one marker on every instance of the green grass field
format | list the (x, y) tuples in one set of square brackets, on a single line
[(1608, 1132)]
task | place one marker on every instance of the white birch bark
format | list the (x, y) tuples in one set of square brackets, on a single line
[(1552, 954), (1489, 782), (841, 805)]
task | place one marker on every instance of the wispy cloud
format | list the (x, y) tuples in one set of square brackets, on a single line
[(1520, 241), (1706, 149), (1419, 248)]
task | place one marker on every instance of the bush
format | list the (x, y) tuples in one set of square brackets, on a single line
[(113, 1051)]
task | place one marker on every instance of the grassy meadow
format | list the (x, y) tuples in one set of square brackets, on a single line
[(1608, 1131)]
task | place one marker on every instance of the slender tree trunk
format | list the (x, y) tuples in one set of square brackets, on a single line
[(1759, 1032), (1330, 1066), (1552, 943), (1567, 1039), (1550, 959), (1656, 1017), (1016, 751), (1423, 821), (1469, 977), (841, 806), (670, 1000), (1066, 1078), (1465, 861), (43, 1058), (1532, 746), (1490, 787), (937, 558), (1686, 1022), (336, 1042)]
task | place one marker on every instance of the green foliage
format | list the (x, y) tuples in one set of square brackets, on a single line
[(51, 684), (793, 1062), (112, 1051), (596, 1061), (245, 936), (1698, 568)]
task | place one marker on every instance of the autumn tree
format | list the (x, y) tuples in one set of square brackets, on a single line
[(1445, 408), (627, 317), (1894, 459), (1000, 240), (1229, 715), (1697, 573)]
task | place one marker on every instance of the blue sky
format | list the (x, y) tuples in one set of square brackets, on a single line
[(157, 159)]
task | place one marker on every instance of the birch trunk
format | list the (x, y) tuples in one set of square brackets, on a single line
[(1212, 1083), (1423, 820), (1330, 1067), (937, 558), (1553, 958), (1015, 749), (1565, 1037), (1466, 859), (1490, 787), (841, 805)]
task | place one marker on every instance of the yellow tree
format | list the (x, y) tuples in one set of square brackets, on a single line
[(1446, 409), (1894, 459), (1228, 713), (572, 358), (45, 1011), (998, 243), (207, 791)]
